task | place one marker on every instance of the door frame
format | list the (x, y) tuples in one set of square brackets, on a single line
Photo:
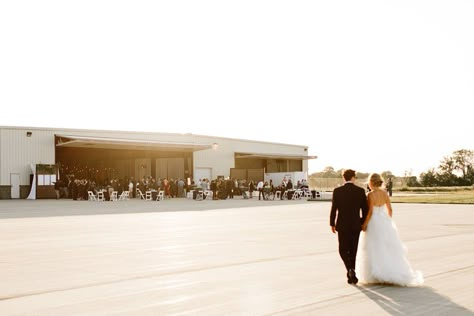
[(13, 184)]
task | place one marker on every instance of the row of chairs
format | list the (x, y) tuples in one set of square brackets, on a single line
[(200, 195), (160, 196), (298, 194), (148, 196), (124, 196)]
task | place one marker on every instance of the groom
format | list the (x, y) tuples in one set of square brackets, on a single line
[(347, 202)]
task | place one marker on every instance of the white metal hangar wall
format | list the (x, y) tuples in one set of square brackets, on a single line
[(106, 154)]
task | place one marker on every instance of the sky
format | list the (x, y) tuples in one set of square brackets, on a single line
[(370, 85)]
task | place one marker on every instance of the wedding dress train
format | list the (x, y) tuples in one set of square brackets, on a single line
[(381, 255)]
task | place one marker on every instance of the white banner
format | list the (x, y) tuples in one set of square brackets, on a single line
[(32, 195)]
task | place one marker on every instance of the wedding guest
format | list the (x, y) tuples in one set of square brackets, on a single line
[(251, 188), (180, 187), (56, 189), (389, 186), (130, 188), (260, 189), (230, 188)]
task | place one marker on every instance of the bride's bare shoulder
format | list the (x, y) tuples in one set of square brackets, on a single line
[(372, 193)]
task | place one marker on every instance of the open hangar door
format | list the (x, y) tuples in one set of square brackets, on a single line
[(254, 166), (102, 158)]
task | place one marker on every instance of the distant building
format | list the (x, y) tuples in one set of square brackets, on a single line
[(102, 155)]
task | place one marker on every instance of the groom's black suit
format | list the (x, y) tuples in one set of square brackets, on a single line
[(347, 202)]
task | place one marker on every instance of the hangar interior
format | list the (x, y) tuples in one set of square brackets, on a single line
[(107, 158)]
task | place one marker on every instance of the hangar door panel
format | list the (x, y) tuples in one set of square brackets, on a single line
[(161, 168), (238, 173), (142, 168), (202, 173), (255, 174), (122, 169), (170, 168), (176, 168)]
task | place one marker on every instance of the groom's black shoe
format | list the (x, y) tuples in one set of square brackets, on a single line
[(351, 277)]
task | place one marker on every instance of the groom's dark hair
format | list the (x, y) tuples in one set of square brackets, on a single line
[(348, 174)]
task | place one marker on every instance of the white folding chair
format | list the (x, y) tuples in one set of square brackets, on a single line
[(296, 195), (100, 196), (142, 197), (199, 196), (160, 196), (114, 196), (208, 195), (277, 195), (91, 196), (148, 196), (124, 196), (300, 194)]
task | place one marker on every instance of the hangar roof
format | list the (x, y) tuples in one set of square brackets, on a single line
[(273, 156)]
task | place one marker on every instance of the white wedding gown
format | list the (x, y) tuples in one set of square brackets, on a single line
[(381, 255)]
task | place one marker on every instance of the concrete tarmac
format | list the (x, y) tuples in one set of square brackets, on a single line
[(232, 257)]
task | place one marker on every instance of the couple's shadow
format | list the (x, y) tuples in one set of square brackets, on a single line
[(396, 300)]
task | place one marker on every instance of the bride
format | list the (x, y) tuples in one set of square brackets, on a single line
[(381, 257)]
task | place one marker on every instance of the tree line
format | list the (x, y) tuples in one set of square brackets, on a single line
[(456, 169)]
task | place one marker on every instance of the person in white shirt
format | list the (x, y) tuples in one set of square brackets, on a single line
[(204, 185), (130, 188), (260, 189)]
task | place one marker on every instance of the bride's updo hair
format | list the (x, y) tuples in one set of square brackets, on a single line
[(375, 180)]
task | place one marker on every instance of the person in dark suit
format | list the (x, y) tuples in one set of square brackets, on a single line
[(347, 203), (389, 186)]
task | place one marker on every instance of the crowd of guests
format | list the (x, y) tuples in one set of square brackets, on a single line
[(226, 188), (77, 189), (222, 188), (266, 189), (70, 187)]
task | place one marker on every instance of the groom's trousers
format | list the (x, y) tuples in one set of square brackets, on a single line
[(348, 242)]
